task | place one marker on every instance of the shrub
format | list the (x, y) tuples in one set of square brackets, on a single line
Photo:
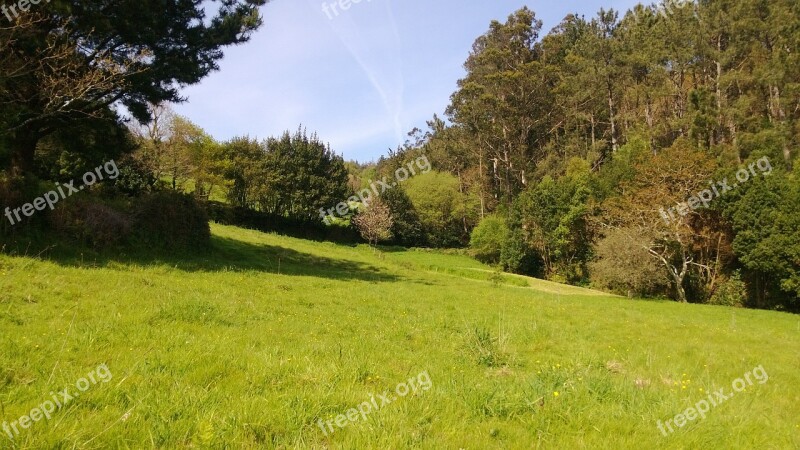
[(732, 292), (625, 268), (105, 226), (171, 220), (92, 223), (134, 178), (486, 243)]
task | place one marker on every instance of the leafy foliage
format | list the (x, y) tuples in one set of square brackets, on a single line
[(441, 206), (69, 59), (555, 223), (292, 176), (406, 227), (623, 267), (657, 103), (488, 238), (732, 292), (766, 222)]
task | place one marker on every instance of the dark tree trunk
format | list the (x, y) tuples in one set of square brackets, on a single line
[(23, 149)]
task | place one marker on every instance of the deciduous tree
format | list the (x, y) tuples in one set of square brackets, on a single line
[(374, 222)]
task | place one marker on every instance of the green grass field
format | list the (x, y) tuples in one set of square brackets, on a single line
[(252, 344)]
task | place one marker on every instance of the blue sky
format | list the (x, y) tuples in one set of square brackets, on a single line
[(361, 79)]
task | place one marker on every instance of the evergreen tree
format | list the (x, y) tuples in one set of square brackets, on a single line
[(65, 60)]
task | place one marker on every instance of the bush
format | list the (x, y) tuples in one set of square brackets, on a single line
[(625, 268), (134, 178), (94, 224), (732, 292), (171, 220), (106, 227), (486, 243)]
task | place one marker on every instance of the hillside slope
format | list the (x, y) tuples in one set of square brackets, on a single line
[(253, 344)]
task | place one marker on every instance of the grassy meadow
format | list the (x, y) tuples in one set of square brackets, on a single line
[(251, 344)]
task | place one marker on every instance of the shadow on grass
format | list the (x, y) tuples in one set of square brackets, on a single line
[(392, 249), (224, 255)]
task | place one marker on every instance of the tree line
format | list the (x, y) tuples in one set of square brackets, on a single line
[(572, 143), (558, 155)]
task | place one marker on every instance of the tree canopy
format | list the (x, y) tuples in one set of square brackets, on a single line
[(68, 60)]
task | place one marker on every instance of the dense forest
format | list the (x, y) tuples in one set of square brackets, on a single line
[(649, 153), (572, 150)]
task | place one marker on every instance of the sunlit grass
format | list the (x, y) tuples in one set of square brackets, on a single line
[(249, 346)]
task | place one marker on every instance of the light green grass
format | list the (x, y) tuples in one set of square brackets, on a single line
[(250, 345)]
